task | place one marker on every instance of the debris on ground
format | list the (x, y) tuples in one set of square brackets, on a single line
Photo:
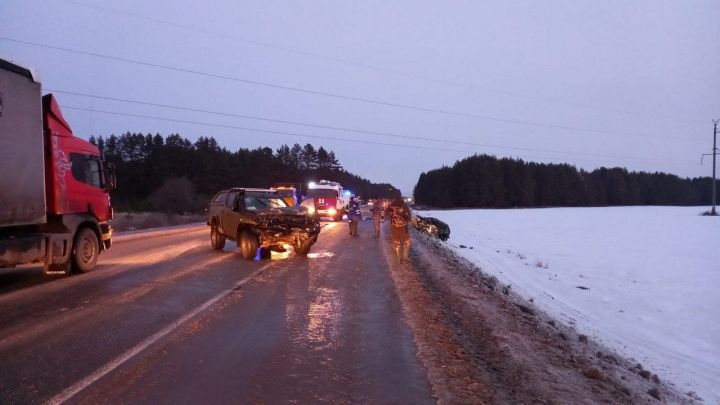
[(432, 226)]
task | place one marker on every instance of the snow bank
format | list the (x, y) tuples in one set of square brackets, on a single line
[(644, 281)]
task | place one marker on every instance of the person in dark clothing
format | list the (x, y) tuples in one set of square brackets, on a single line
[(354, 215), (400, 216)]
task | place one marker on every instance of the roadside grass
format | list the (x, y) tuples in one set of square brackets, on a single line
[(131, 221), (540, 264)]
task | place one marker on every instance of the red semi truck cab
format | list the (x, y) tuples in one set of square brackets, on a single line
[(54, 187), (75, 181)]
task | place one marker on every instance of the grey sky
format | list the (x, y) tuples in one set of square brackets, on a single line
[(642, 77)]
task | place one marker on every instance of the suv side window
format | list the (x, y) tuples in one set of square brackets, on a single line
[(86, 169), (220, 197), (232, 196)]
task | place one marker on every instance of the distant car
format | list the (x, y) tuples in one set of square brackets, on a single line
[(288, 191), (432, 226), (365, 211), (260, 219)]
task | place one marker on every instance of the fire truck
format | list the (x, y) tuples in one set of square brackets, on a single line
[(330, 198)]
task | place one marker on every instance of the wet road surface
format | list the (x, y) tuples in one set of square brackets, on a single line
[(165, 319)]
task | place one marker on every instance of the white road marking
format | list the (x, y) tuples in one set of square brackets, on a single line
[(74, 389)]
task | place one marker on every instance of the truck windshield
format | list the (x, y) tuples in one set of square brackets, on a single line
[(261, 203), (322, 192)]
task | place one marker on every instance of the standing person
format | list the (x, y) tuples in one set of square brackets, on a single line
[(378, 216), (399, 214), (354, 215)]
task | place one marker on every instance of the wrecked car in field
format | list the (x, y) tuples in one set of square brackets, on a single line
[(432, 226), (260, 219)]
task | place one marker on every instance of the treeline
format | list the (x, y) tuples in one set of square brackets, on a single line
[(154, 171), (486, 181)]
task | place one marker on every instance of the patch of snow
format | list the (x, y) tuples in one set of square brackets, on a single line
[(644, 281)]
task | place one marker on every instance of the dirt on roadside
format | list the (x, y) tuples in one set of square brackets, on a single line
[(482, 344)]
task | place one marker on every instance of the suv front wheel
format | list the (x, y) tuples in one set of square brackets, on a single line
[(248, 244)]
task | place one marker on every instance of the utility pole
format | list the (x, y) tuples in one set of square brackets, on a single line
[(714, 156), (714, 153)]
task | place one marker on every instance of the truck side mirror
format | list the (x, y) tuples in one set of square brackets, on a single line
[(110, 178)]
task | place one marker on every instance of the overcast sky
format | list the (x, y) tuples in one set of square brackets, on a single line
[(602, 83)]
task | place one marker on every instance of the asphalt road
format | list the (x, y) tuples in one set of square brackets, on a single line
[(166, 319)]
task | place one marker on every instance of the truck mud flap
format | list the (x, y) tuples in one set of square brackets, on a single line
[(59, 248)]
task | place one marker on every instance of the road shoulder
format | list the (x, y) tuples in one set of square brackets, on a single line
[(482, 344)]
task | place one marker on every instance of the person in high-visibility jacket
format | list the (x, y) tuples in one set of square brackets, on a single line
[(400, 216)]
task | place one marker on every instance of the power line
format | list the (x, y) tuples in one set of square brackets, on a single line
[(360, 141), (267, 131), (387, 134), (254, 117), (334, 95), (350, 62)]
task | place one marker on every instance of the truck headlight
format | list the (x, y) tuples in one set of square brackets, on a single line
[(332, 211)]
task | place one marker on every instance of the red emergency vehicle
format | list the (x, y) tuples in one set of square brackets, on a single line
[(331, 200), (54, 187)]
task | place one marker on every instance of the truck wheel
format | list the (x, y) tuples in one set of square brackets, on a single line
[(248, 245), (217, 240), (85, 251)]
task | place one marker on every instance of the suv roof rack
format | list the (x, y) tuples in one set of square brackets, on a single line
[(255, 190)]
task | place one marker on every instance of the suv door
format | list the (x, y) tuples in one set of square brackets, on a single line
[(229, 216)]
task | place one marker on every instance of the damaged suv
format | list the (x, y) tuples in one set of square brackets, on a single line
[(260, 219)]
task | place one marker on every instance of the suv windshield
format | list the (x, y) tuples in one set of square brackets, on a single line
[(261, 203), (322, 192)]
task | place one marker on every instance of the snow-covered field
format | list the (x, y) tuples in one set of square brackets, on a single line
[(645, 281)]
